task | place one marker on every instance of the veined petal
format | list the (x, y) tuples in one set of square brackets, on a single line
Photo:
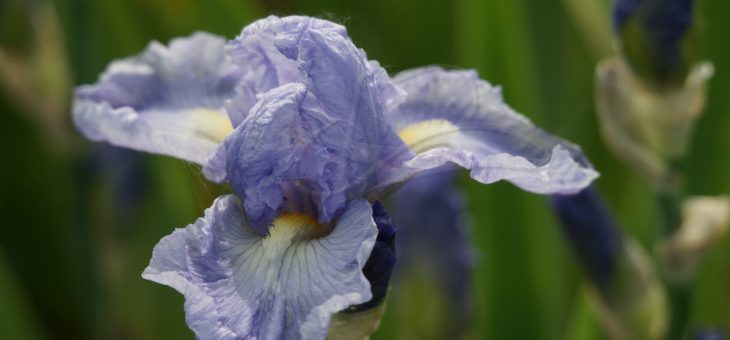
[(393, 94), (324, 133), (239, 284), (264, 64), (167, 100), (262, 150), (453, 116), (266, 51)]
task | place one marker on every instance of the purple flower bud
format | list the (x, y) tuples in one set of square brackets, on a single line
[(592, 232)]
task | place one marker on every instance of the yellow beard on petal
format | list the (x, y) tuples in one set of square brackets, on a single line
[(288, 228), (211, 124), (428, 134)]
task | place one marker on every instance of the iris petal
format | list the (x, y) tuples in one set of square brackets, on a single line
[(453, 116), (167, 100), (324, 134), (235, 288), (264, 65)]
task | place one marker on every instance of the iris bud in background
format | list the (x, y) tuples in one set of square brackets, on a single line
[(649, 98), (635, 307), (628, 296), (35, 72), (704, 222), (657, 39), (647, 129)]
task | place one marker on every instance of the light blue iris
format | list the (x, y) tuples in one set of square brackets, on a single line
[(306, 130)]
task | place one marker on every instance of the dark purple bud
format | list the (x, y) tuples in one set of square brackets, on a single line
[(653, 37), (592, 232), (379, 266)]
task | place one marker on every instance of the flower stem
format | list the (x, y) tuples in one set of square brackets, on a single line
[(680, 301), (669, 212), (679, 292)]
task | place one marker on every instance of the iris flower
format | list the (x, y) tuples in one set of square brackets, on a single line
[(308, 133)]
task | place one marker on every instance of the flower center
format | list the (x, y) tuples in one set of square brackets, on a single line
[(287, 229), (211, 124), (428, 134)]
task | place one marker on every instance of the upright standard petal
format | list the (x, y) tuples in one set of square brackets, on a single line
[(263, 66), (167, 100), (314, 143), (266, 52), (453, 116), (239, 284)]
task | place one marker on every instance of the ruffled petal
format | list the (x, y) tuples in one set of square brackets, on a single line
[(262, 151), (263, 64), (324, 134), (238, 284), (167, 100), (266, 52), (453, 116)]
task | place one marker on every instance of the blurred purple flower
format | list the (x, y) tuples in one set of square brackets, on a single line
[(709, 334), (123, 170), (432, 221), (652, 33), (305, 128), (592, 232)]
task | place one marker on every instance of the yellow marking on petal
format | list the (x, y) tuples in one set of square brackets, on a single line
[(288, 228), (212, 124), (428, 134)]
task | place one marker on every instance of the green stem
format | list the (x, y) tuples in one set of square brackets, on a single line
[(669, 212), (680, 299), (669, 199)]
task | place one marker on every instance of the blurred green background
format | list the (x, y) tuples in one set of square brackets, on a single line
[(79, 219)]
